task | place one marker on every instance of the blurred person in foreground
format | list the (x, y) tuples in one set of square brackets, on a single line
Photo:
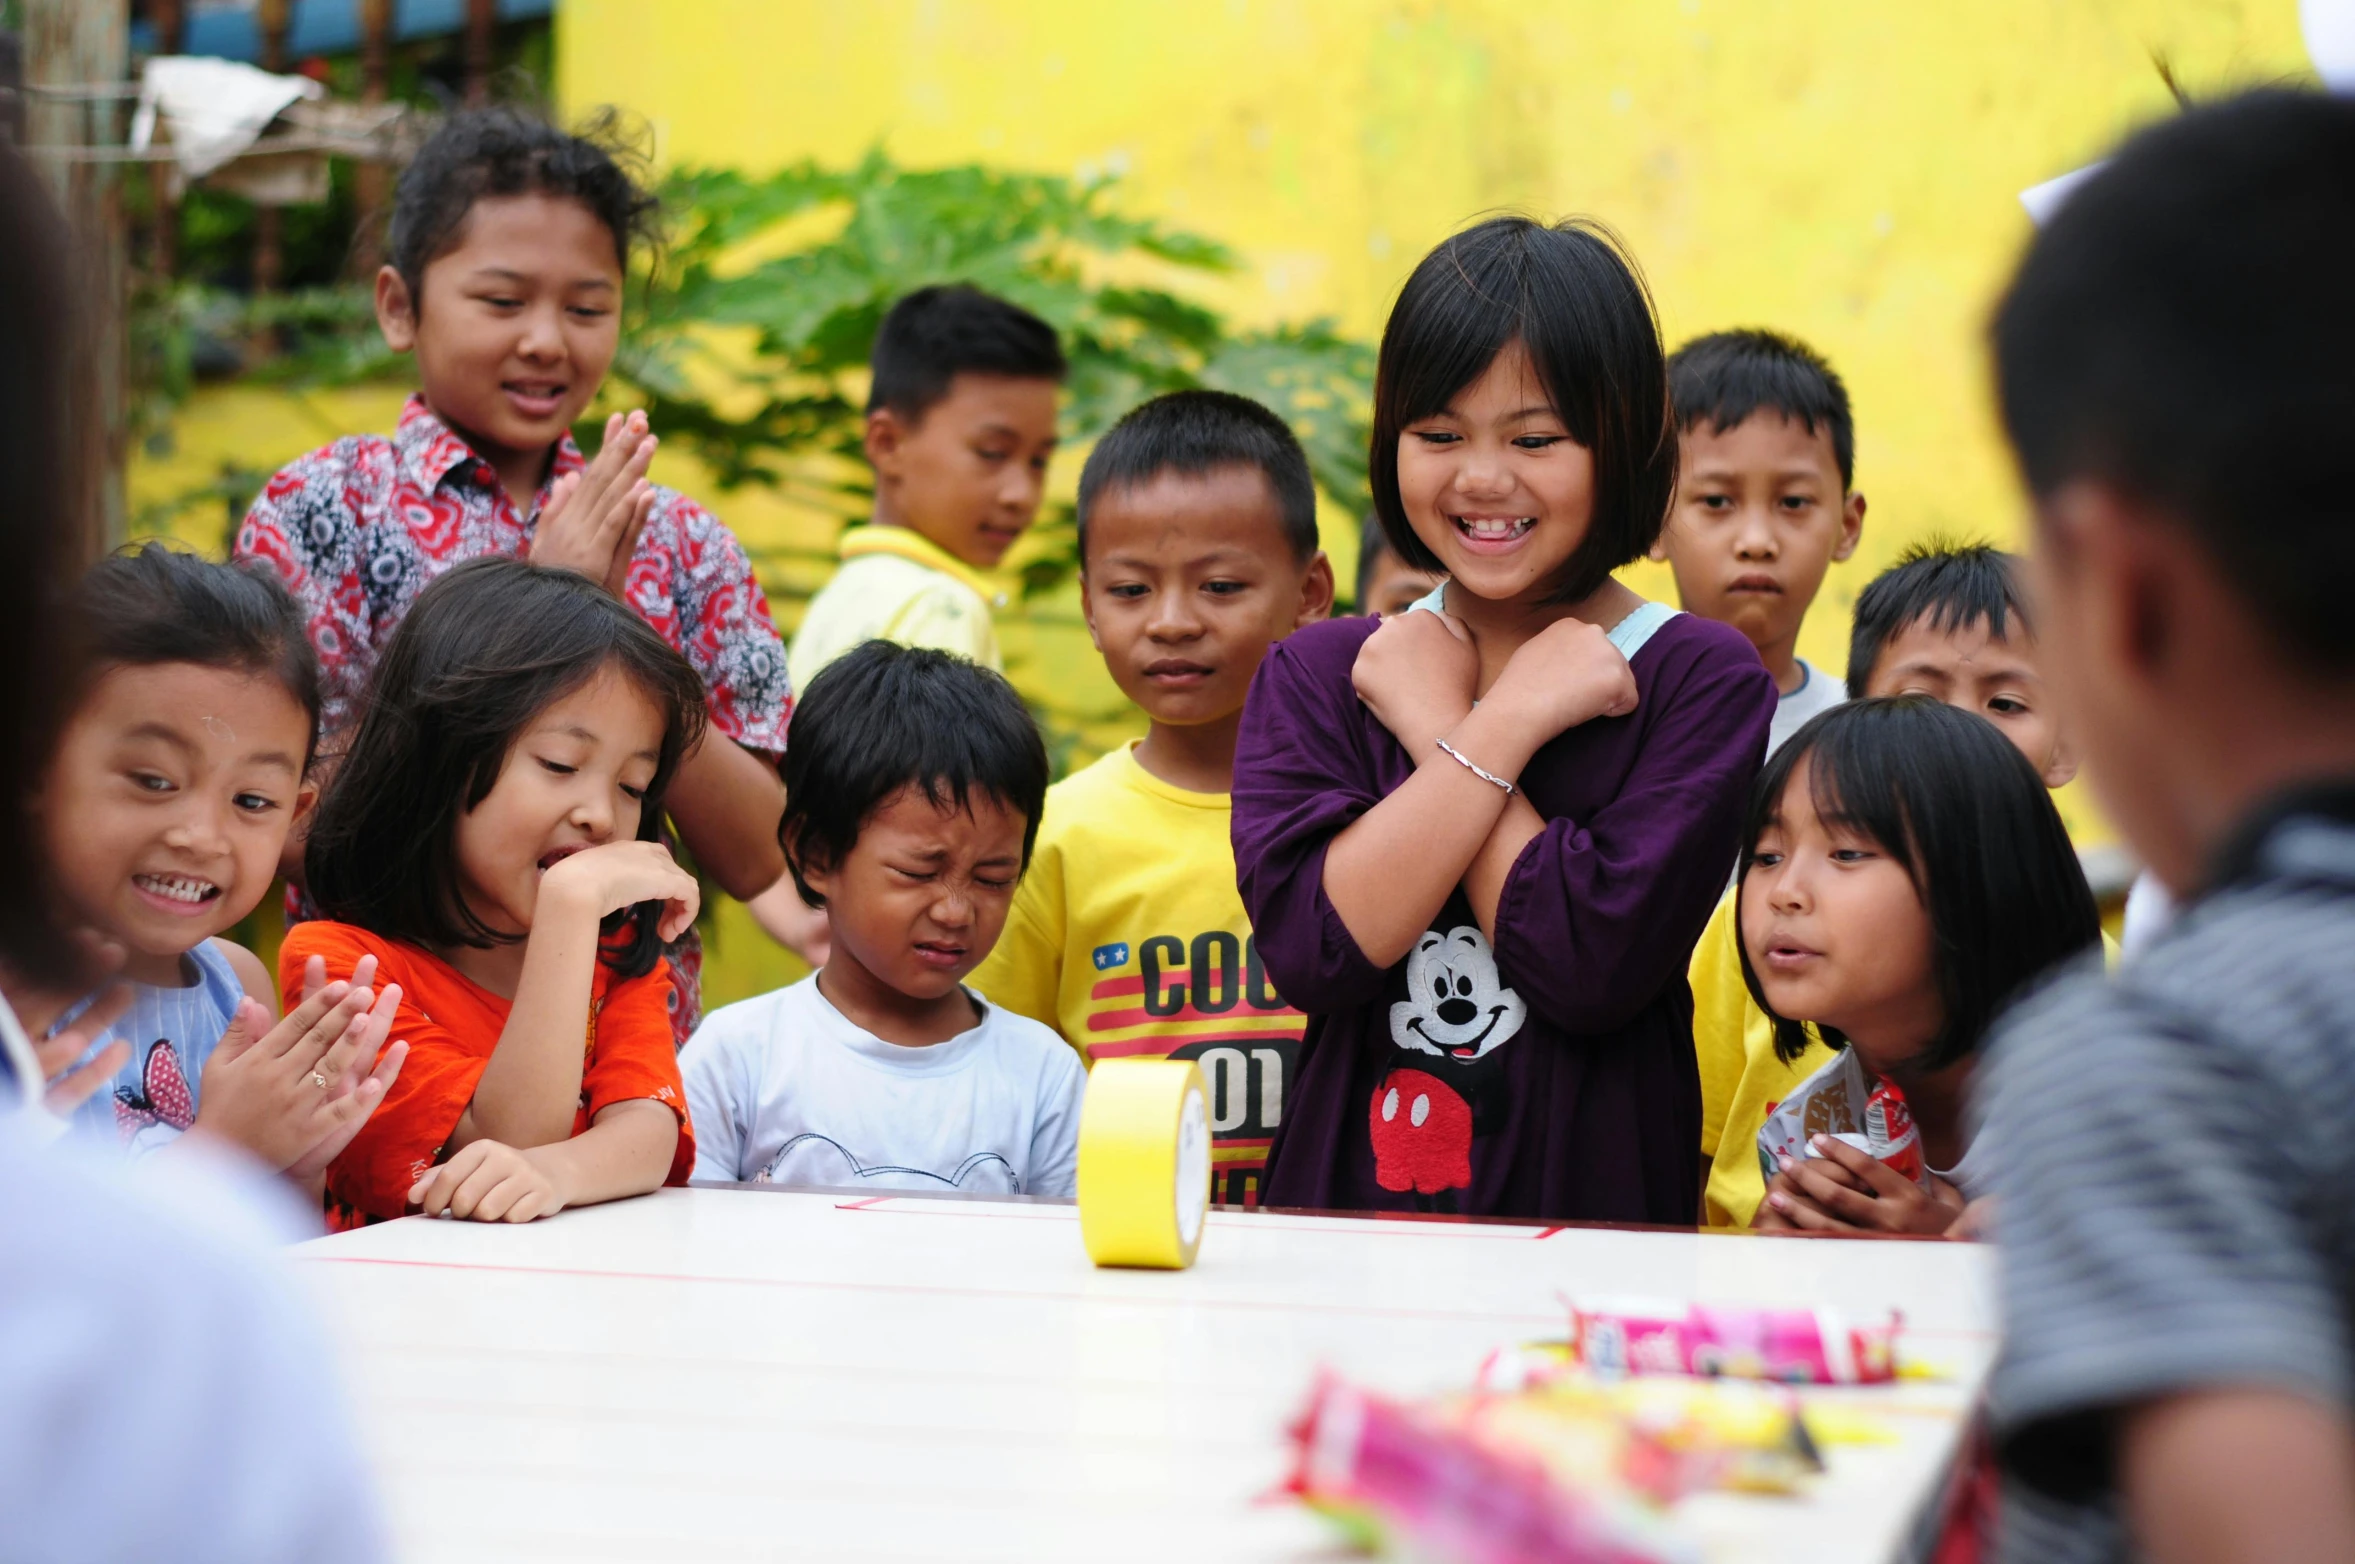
[(162, 1394), (2176, 363)]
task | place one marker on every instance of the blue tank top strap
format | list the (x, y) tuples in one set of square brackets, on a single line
[(1630, 633), (1433, 601)]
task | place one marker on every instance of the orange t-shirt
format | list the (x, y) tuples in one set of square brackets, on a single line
[(452, 1024)]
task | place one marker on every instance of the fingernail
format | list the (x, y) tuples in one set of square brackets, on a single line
[(1776, 1201), (1820, 1142), (1785, 1162)]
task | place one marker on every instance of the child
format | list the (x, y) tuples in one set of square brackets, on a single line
[(2175, 362), (1906, 875), (960, 423), (1198, 551), (1386, 584), (1764, 499), (165, 805), (510, 244), (912, 793), (1946, 621), (493, 842), (1487, 908)]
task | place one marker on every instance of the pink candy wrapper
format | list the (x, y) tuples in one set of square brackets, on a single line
[(1792, 1346)]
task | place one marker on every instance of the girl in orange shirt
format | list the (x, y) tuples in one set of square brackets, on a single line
[(491, 841)]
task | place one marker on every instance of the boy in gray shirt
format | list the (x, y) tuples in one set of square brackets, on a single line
[(2174, 1149)]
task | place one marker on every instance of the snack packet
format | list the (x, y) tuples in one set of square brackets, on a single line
[(1794, 1346), (1843, 1100)]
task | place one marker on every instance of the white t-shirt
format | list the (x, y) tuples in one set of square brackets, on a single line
[(1818, 692), (784, 1089)]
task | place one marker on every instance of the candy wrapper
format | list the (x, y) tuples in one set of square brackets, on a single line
[(1420, 1480), (1845, 1101), (1792, 1346)]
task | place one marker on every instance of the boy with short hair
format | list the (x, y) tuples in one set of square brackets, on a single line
[(2175, 360), (912, 795), (1386, 584), (1763, 499), (960, 424), (1198, 551), (1948, 621)]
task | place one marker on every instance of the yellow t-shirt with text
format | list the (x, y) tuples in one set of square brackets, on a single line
[(1127, 936)]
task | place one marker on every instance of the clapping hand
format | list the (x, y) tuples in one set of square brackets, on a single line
[(287, 1091), (593, 517)]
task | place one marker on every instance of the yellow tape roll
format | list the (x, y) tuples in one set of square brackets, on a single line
[(1144, 1163)]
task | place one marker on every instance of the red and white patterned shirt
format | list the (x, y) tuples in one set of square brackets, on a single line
[(357, 529)]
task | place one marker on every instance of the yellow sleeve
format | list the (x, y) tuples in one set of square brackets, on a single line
[(1721, 1005), (1024, 971), (948, 618)]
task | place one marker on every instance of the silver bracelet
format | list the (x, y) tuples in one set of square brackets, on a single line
[(1469, 764)]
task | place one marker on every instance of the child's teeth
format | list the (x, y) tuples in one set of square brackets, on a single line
[(176, 888)]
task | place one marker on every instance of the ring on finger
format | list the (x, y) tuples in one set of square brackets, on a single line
[(319, 1080)]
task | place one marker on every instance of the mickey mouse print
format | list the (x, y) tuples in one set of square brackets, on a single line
[(1456, 1014)]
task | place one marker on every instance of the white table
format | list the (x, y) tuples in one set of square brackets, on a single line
[(753, 1374)]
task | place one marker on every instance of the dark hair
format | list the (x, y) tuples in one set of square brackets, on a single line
[(936, 334), (1950, 586), (1571, 295), (1196, 432), (1372, 544), (153, 604), (2183, 332), (1726, 376), (503, 151), (1948, 797), (883, 717), (47, 421), (482, 652)]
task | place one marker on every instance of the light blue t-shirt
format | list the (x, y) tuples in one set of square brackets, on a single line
[(172, 1032)]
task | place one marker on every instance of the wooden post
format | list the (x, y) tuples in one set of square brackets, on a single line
[(163, 257), (482, 22), (269, 254), (372, 180), (86, 44)]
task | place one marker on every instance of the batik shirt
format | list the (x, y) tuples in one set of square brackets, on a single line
[(358, 528)]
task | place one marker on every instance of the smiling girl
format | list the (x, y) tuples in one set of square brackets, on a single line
[(1478, 842), (1906, 876), (509, 249), (492, 845)]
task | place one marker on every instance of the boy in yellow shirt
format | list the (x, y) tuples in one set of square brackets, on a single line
[(1948, 622), (960, 424), (1198, 551)]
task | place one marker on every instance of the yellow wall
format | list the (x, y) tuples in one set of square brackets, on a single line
[(1845, 169)]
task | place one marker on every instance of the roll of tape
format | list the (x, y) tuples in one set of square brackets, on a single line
[(1144, 1162)]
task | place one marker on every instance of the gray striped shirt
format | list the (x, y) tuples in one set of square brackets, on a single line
[(2173, 1152)]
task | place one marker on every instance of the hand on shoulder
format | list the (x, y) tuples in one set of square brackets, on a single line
[(1417, 674), (1567, 674)]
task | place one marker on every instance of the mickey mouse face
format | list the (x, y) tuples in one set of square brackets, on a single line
[(1456, 1006)]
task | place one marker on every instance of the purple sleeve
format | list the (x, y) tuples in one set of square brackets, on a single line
[(1302, 774), (1599, 915)]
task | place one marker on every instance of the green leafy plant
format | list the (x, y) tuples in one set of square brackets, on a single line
[(753, 344)]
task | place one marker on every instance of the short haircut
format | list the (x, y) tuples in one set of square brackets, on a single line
[(1723, 378), (1570, 294), (1952, 800), (935, 334), (484, 650), (2183, 333), (1950, 586), (479, 154), (1372, 544), (1196, 432), (152, 604), (883, 717)]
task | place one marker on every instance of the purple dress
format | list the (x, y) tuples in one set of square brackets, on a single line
[(1552, 1076)]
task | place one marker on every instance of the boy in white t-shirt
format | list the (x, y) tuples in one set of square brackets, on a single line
[(1764, 503), (913, 790)]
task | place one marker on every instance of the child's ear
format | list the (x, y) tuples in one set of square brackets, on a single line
[(306, 798), (396, 310), (1087, 610), (1316, 592), (2060, 768), (808, 868), (886, 433), (1851, 526)]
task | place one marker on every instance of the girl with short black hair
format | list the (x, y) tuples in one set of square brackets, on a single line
[(1478, 842), (493, 844), (1905, 876)]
